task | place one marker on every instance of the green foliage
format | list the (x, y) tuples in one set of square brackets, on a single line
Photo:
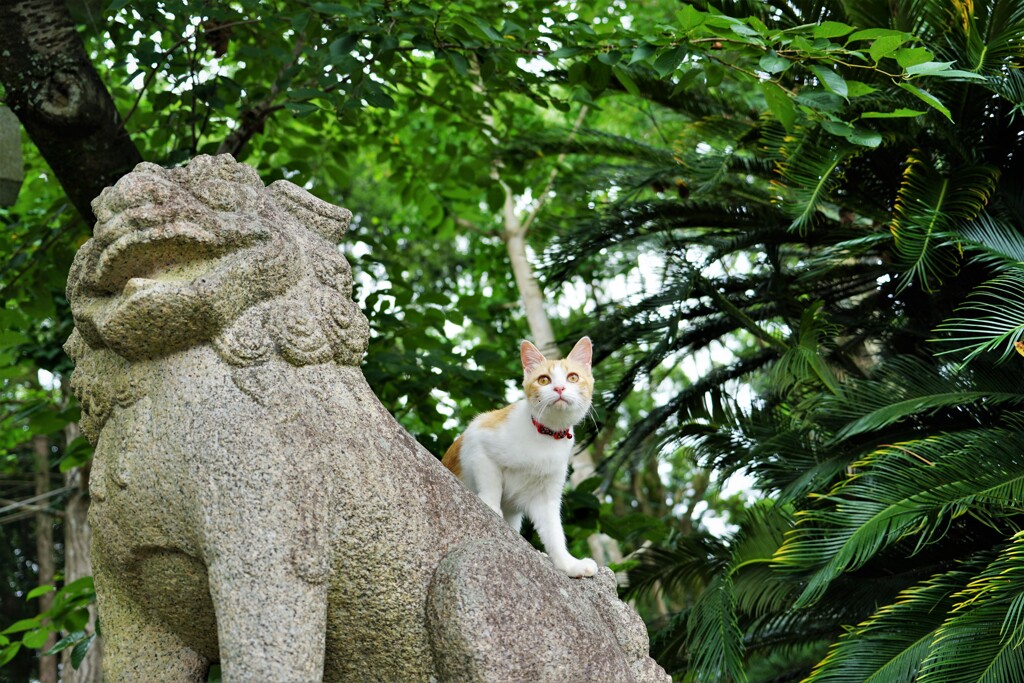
[(68, 614), (812, 236), (791, 194)]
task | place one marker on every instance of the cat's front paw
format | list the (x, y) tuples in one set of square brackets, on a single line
[(579, 568)]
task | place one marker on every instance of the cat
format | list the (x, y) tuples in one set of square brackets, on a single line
[(516, 458)]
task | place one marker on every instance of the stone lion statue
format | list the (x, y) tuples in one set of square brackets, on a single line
[(253, 504)]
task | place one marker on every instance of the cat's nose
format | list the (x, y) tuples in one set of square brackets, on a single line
[(559, 390)]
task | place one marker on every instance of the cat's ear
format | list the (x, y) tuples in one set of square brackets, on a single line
[(583, 352), (531, 356)]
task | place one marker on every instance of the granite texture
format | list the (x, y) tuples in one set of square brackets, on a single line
[(253, 502)]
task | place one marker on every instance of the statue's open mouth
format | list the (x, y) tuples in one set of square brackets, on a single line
[(175, 252)]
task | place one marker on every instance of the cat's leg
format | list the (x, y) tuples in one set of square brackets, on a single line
[(514, 519), (546, 515), (484, 479)]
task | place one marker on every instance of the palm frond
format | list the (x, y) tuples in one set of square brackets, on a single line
[(992, 319), (713, 623), (893, 643), (905, 387), (909, 489), (810, 171), (928, 210)]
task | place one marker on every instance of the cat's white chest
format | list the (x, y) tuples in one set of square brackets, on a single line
[(517, 446)]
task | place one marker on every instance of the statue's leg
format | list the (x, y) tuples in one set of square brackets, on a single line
[(271, 623), (136, 647)]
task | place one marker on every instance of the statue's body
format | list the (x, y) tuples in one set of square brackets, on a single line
[(253, 503)]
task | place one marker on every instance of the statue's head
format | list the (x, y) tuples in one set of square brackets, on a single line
[(207, 254)]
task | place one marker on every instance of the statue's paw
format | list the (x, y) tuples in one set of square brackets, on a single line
[(580, 568)]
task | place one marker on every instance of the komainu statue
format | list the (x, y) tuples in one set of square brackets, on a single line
[(253, 504)]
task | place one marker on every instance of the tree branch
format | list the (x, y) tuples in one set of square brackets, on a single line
[(53, 88)]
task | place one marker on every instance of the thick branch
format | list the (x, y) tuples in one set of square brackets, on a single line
[(53, 88)]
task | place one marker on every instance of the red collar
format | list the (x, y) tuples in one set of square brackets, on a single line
[(548, 431)]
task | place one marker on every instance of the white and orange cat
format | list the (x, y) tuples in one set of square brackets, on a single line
[(516, 458)]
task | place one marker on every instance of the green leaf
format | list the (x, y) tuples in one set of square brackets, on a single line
[(773, 63), (902, 112), (460, 64), (875, 33), (865, 138), (885, 46), (66, 642), (626, 80), (301, 108), (830, 79), (343, 46), (669, 60), (859, 89), (928, 99), (689, 18), (485, 28), (22, 625), (81, 650), (9, 652), (780, 104), (831, 29), (36, 639), (76, 620), (39, 590), (927, 68), (565, 52), (958, 74), (642, 52), (910, 56), (12, 339)]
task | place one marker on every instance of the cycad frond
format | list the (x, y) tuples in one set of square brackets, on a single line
[(588, 142), (803, 363), (893, 643), (910, 489), (906, 387), (713, 623), (929, 208), (992, 318), (687, 566), (995, 238), (810, 171), (989, 615)]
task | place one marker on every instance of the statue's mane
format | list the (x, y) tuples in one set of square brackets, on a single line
[(168, 228)]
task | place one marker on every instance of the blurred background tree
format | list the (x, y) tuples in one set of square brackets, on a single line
[(763, 213)]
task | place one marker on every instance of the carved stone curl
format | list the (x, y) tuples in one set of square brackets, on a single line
[(253, 503)]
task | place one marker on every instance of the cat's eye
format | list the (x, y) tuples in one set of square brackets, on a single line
[(573, 377), (543, 380)]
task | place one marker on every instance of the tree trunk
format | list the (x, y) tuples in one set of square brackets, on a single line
[(51, 85), (44, 549), (78, 563)]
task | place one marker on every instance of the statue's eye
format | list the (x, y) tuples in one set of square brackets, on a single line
[(573, 377), (543, 380)]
